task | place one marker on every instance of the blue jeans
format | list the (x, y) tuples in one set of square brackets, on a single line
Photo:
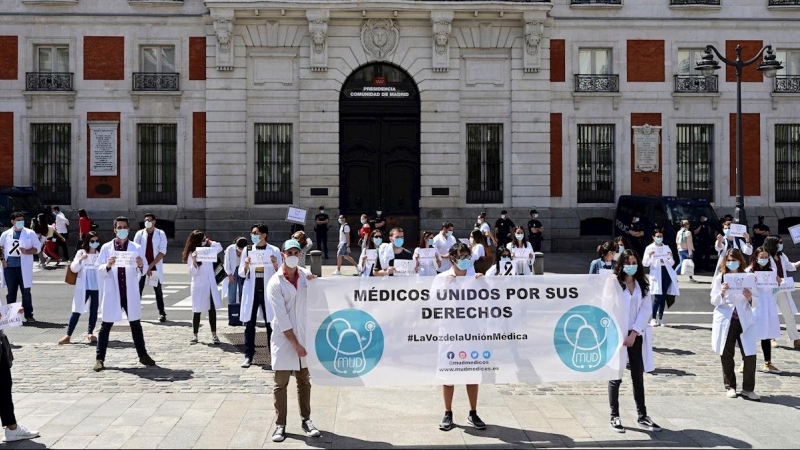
[(237, 285), (659, 303), (13, 277), (94, 303), (682, 255)]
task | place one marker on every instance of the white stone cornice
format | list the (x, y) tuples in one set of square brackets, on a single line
[(481, 7)]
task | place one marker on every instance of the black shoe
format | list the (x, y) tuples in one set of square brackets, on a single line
[(280, 434), (476, 421), (30, 319), (646, 423), (447, 422), (147, 360), (616, 424), (162, 317)]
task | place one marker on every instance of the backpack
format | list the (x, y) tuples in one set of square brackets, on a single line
[(683, 236)]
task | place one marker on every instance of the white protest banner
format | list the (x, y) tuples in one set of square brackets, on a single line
[(738, 230), (206, 254), (372, 256), (259, 258), (739, 281), (766, 279), (296, 215), (91, 260), (10, 316), (125, 259), (464, 241), (444, 330), (787, 285), (427, 261), (606, 272), (403, 266), (520, 253), (795, 233)]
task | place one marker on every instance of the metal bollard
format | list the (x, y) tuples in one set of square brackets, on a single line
[(538, 263), (316, 262)]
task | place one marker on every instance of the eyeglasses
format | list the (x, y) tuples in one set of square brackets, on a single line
[(94, 242), (464, 257)]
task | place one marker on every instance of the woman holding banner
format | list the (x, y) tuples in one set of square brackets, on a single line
[(426, 258), (734, 320), (658, 257), (205, 295), (521, 252), (503, 266), (86, 287), (768, 322), (639, 342), (369, 254)]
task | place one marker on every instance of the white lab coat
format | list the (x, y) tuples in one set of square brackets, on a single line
[(656, 283), (365, 266), (386, 255), (27, 240), (425, 270), (204, 283), (523, 267), (249, 293), (767, 322), (443, 245), (747, 249), (785, 296), (640, 324), (108, 282), (723, 311), (81, 267), (290, 307), (159, 246)]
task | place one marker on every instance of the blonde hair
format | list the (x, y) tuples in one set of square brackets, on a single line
[(685, 222)]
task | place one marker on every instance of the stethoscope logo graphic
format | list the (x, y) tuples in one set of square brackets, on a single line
[(585, 338), (349, 343)]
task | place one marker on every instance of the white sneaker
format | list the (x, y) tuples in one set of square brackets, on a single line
[(337, 272), (20, 434), (661, 323), (731, 393), (653, 322)]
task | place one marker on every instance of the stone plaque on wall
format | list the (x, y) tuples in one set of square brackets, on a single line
[(646, 140), (103, 149)]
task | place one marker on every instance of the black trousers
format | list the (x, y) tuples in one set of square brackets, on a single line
[(136, 332), (250, 327), (212, 319), (536, 242), (322, 242), (729, 365), (702, 256), (637, 376), (6, 402), (158, 291), (62, 245)]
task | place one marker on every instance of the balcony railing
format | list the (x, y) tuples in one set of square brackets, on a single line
[(696, 83), (787, 84), (596, 83), (596, 2), (48, 81), (783, 3), (694, 2), (156, 81)]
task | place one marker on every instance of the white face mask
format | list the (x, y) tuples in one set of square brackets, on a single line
[(363, 221), (503, 217), (292, 261), (148, 224)]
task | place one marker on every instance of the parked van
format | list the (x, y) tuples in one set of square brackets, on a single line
[(662, 212), (21, 199)]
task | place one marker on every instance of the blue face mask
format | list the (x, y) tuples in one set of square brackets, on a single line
[(659, 240), (122, 234), (449, 234), (763, 262), (20, 224), (621, 249), (203, 244), (630, 269), (780, 247), (464, 264), (94, 245), (430, 241), (398, 242), (378, 241), (732, 265), (727, 231), (256, 238)]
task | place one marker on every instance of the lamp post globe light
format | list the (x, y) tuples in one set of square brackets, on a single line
[(769, 67)]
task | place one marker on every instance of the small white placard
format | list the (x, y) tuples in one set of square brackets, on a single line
[(738, 230), (787, 285), (766, 278), (152, 280), (125, 259), (259, 258), (10, 316), (520, 253), (91, 260), (403, 266), (464, 241), (795, 233), (296, 215), (739, 281), (427, 254), (206, 254)]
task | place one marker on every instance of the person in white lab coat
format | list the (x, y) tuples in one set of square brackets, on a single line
[(426, 268), (734, 319), (663, 276), (523, 264), (287, 294), (119, 292), (365, 263), (86, 287), (443, 242), (256, 274), (767, 318), (153, 242), (725, 242), (19, 245), (779, 262), (235, 283), (638, 305), (503, 266), (205, 295)]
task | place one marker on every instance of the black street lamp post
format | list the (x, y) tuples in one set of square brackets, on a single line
[(769, 66)]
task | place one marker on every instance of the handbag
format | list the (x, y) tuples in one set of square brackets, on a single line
[(70, 277), (688, 267)]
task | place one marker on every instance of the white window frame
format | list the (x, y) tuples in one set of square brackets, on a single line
[(159, 62), (697, 52), (785, 56), (32, 63), (54, 55), (594, 51)]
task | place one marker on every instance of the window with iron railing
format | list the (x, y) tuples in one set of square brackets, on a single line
[(485, 163), (158, 71), (689, 80), (596, 145), (694, 2), (787, 163), (51, 158), (273, 177), (783, 3), (594, 66), (51, 69), (695, 153), (158, 155), (596, 2), (787, 80)]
